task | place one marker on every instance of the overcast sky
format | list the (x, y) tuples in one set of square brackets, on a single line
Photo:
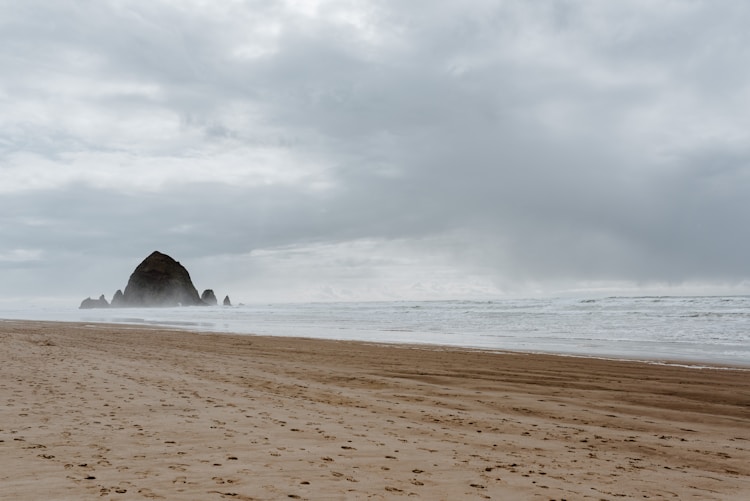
[(317, 150)]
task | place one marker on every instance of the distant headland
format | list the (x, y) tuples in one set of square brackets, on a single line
[(159, 281)]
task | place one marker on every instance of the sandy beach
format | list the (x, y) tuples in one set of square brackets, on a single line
[(117, 412)]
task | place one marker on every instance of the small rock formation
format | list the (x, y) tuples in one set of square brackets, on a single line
[(89, 303), (118, 299), (209, 297), (160, 281)]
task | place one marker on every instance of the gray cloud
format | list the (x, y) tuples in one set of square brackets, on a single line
[(562, 143)]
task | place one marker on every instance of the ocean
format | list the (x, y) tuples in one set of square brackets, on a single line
[(712, 330)]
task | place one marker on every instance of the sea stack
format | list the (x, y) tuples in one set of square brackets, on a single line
[(89, 303), (209, 297), (118, 299), (160, 281), (227, 302)]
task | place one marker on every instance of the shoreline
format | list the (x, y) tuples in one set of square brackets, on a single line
[(173, 327), (134, 412)]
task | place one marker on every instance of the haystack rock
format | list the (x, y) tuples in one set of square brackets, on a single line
[(209, 297), (227, 302), (89, 303), (160, 281)]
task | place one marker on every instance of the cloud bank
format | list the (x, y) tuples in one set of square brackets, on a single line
[(351, 150)]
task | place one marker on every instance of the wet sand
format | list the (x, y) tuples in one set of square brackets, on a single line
[(114, 412)]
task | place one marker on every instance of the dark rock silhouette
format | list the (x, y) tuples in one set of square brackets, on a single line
[(118, 299), (89, 303), (160, 281), (209, 297)]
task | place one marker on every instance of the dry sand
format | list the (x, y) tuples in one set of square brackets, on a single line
[(113, 412)]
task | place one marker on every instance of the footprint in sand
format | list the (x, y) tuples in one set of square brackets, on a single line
[(148, 493)]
